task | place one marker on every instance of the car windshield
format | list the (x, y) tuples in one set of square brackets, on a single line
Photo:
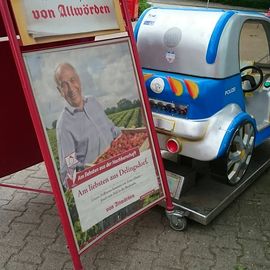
[(254, 47)]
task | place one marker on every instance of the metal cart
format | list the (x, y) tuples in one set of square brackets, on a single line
[(207, 196)]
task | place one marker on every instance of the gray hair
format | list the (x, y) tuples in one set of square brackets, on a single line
[(60, 68)]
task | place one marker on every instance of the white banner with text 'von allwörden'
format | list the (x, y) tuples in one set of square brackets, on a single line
[(50, 18)]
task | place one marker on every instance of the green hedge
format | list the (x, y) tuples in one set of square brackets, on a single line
[(142, 6), (260, 4)]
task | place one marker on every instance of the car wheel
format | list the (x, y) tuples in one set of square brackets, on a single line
[(233, 165)]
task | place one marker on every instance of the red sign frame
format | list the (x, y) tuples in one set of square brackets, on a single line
[(17, 50)]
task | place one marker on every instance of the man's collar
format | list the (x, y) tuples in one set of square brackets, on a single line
[(72, 109)]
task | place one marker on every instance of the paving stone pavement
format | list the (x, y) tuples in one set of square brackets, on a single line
[(31, 235)]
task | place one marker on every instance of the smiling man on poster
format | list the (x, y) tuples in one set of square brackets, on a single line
[(83, 129)]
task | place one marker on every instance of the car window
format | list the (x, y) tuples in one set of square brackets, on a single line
[(253, 47)]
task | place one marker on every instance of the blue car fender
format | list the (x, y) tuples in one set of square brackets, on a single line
[(236, 122)]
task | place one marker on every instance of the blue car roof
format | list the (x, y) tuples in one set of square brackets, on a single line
[(206, 40)]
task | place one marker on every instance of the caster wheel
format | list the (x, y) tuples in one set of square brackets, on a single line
[(178, 223)]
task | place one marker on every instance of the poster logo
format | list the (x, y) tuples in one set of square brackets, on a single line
[(71, 160)]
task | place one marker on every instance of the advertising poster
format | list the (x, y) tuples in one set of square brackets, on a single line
[(89, 101), (42, 19)]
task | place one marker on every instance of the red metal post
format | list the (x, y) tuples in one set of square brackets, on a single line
[(27, 189), (133, 8)]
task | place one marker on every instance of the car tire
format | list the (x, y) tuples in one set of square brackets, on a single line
[(232, 166)]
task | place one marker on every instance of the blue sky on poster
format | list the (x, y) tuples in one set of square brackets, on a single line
[(106, 72)]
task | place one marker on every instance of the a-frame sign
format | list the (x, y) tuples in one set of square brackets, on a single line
[(80, 105)]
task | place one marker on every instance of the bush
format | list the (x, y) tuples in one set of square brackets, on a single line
[(260, 4), (142, 6)]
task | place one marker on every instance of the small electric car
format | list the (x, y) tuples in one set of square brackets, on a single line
[(207, 74)]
